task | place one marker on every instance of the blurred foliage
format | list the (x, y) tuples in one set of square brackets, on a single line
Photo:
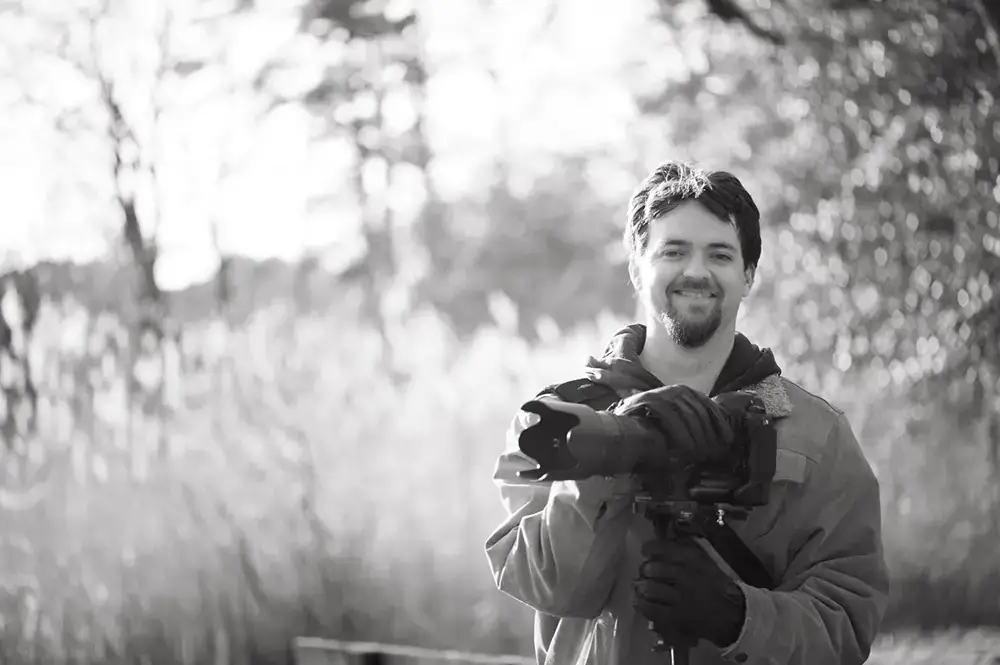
[(277, 479), (902, 187)]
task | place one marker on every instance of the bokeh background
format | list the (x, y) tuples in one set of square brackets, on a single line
[(276, 275)]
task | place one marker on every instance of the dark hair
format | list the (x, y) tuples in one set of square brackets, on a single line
[(720, 192)]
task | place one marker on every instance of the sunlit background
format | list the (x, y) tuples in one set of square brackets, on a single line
[(275, 276)]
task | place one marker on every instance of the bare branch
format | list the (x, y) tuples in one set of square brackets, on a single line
[(163, 68), (730, 12)]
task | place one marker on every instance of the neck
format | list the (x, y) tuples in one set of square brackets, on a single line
[(698, 368)]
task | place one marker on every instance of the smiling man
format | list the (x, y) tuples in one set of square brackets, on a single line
[(603, 586), (690, 276)]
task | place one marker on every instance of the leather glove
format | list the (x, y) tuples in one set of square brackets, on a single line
[(690, 420), (682, 591)]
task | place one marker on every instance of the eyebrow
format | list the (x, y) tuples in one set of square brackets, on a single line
[(684, 243)]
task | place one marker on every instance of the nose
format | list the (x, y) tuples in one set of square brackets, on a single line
[(696, 267)]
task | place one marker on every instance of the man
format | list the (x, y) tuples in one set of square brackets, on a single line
[(591, 566)]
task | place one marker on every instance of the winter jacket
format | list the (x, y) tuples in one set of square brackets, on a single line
[(571, 549)]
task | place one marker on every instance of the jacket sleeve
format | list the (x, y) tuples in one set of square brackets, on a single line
[(559, 547), (828, 607)]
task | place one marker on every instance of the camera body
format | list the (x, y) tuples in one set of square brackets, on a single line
[(694, 491)]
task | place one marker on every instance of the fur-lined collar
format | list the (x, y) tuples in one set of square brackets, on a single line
[(772, 392)]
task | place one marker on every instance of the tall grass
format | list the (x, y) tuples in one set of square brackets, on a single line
[(308, 488)]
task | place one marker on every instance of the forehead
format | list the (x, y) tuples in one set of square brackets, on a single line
[(691, 223)]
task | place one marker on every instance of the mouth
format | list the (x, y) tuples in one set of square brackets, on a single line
[(694, 293)]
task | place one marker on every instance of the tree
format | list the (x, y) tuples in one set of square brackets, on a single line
[(377, 62)]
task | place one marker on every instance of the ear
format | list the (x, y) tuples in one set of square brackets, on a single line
[(633, 273), (748, 277)]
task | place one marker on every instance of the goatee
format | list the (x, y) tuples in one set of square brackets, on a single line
[(686, 332), (689, 334)]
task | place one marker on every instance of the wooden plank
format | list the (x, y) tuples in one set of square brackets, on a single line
[(317, 651)]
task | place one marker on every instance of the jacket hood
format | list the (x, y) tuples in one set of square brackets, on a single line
[(620, 367)]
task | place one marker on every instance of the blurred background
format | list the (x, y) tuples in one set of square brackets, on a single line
[(276, 275)]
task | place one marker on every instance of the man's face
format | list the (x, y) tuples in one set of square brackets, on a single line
[(691, 275)]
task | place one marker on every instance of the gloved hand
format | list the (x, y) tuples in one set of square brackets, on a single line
[(690, 420), (682, 591)]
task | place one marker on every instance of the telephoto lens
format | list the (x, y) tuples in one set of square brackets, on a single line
[(573, 442)]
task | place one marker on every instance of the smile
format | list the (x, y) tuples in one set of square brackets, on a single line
[(693, 294)]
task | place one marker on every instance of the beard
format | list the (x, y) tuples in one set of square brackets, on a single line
[(686, 330)]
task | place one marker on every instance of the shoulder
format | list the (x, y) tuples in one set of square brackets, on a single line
[(803, 399), (818, 442), (816, 428)]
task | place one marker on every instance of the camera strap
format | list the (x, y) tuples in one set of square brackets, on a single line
[(735, 552), (721, 537)]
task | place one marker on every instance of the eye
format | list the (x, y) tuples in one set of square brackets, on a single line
[(722, 257)]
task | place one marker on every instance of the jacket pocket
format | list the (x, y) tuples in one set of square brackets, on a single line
[(790, 471)]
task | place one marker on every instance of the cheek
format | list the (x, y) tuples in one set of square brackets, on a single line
[(735, 286), (648, 278), (657, 283)]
